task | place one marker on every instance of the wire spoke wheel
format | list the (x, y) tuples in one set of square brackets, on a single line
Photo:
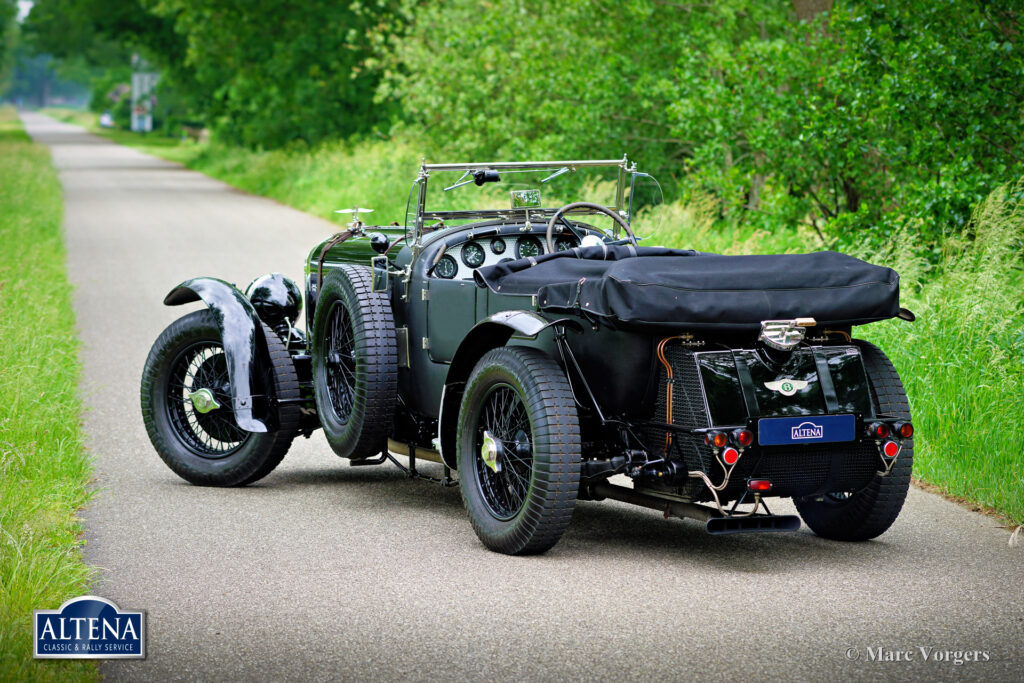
[(519, 450), (212, 434), (187, 407), (340, 359), (504, 417)]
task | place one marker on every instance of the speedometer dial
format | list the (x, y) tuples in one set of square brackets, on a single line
[(446, 267), (528, 246), (565, 243), (473, 254)]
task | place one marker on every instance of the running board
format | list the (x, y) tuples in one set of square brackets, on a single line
[(753, 524)]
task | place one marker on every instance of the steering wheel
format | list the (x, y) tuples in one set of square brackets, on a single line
[(586, 205)]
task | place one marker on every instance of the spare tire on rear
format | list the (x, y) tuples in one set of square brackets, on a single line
[(355, 363)]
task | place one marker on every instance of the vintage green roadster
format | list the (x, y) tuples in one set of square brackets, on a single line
[(538, 355)]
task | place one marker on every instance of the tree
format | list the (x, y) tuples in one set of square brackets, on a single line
[(8, 39), (277, 73), (859, 119)]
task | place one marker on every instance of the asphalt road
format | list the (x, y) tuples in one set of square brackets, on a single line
[(324, 571)]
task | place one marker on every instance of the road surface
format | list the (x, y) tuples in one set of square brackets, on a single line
[(325, 571)]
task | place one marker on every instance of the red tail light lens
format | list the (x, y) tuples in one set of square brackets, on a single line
[(905, 429), (879, 430), (890, 449), (718, 439), (743, 437), (730, 456), (759, 485)]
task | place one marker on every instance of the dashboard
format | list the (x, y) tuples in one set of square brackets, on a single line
[(459, 261)]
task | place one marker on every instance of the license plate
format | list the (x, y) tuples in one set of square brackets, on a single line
[(779, 431)]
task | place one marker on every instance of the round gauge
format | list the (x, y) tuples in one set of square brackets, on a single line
[(528, 246), (446, 267), (565, 243), (498, 245), (473, 254)]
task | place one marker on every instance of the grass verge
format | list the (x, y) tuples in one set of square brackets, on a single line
[(962, 362), (44, 472)]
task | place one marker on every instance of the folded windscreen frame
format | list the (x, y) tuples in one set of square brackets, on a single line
[(625, 287)]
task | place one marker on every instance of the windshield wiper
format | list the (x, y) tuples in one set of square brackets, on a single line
[(480, 176), (561, 171)]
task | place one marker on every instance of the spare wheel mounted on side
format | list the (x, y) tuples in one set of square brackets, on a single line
[(355, 363)]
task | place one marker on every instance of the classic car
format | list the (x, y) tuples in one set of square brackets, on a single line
[(542, 356)]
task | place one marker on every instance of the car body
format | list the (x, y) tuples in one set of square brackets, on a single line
[(539, 355)]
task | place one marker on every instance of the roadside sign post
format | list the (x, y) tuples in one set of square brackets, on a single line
[(143, 84)]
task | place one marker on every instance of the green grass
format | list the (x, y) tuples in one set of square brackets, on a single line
[(962, 362), (44, 472)]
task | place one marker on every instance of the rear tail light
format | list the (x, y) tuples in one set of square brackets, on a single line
[(743, 437), (730, 456), (716, 439), (891, 449), (759, 485), (879, 430), (905, 429)]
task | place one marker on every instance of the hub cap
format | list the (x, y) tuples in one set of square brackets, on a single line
[(505, 466), (199, 400), (490, 451), (203, 400)]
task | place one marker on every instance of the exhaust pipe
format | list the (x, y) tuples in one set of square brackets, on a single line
[(714, 523), (742, 525)]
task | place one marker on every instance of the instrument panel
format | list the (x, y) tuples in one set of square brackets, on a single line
[(461, 260)]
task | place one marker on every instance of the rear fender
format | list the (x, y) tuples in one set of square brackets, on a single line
[(241, 335), (487, 334)]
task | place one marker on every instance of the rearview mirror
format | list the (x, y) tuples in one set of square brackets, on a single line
[(525, 199), (381, 281)]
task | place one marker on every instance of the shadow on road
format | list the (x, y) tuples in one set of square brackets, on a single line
[(599, 529)]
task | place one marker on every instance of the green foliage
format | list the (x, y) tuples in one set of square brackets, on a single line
[(963, 360), (44, 472), (8, 39), (525, 78), (283, 73), (102, 32), (879, 116), (859, 122)]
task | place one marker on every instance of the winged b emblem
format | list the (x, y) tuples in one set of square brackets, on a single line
[(786, 387)]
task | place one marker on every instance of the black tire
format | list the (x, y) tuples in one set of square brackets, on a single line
[(355, 363), (868, 513), (526, 506), (209, 449)]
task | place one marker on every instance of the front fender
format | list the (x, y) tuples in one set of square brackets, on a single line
[(240, 332)]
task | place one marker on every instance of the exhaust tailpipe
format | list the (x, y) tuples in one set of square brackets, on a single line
[(714, 523)]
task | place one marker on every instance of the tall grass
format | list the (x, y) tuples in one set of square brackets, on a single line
[(962, 361), (43, 468)]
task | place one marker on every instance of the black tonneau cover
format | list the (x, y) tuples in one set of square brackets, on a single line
[(652, 286)]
